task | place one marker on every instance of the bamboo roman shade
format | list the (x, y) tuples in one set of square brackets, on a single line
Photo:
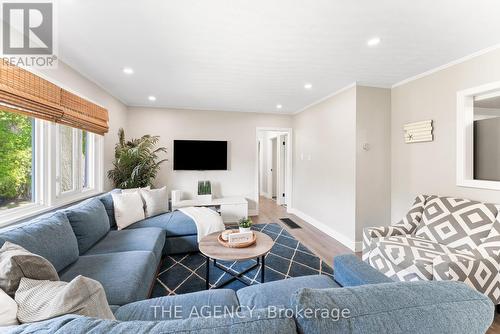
[(26, 93)]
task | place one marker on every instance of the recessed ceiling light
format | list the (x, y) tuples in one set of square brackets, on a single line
[(373, 41), (279, 106), (128, 70), (151, 98), (308, 86)]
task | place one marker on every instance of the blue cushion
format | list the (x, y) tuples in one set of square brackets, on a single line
[(144, 239), (349, 270), (174, 223), (49, 236), (181, 306), (126, 276), (259, 321), (399, 307), (278, 293), (89, 222), (107, 200)]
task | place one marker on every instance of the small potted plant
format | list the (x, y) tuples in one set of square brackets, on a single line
[(245, 224), (204, 191)]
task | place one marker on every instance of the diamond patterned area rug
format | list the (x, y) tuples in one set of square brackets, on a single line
[(288, 258)]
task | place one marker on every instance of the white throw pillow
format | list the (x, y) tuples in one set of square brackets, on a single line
[(136, 190), (128, 209), (8, 310), (156, 201), (42, 300), (132, 190)]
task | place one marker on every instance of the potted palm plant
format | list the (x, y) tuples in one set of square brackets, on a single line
[(245, 224), (137, 161)]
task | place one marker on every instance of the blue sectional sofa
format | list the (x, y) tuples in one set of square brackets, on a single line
[(282, 306), (83, 240), (180, 230)]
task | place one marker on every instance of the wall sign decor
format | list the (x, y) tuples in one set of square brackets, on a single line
[(418, 132)]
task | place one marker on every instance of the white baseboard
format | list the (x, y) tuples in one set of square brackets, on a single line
[(346, 241)]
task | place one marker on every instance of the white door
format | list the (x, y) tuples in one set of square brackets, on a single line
[(274, 167), (282, 172)]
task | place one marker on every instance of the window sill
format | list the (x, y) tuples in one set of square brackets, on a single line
[(11, 217), (479, 184)]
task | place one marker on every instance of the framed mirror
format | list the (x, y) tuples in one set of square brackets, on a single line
[(478, 137)]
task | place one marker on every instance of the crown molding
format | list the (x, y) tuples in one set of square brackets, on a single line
[(445, 66), (324, 98)]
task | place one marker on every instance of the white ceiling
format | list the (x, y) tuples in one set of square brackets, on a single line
[(252, 55)]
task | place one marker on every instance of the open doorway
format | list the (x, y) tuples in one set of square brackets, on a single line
[(274, 168)]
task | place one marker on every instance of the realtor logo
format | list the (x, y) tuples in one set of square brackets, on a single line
[(28, 33)]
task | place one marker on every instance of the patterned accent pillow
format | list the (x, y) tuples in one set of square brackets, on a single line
[(16, 262), (455, 222), (41, 300)]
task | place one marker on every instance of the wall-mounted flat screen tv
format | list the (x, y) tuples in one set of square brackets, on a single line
[(200, 155)]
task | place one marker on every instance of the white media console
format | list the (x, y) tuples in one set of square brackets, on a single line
[(231, 209)]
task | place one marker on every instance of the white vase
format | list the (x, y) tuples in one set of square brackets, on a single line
[(205, 198), (245, 229)]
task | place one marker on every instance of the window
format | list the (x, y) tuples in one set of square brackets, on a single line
[(66, 158), (85, 159), (44, 165), (16, 160), (478, 128), (74, 160)]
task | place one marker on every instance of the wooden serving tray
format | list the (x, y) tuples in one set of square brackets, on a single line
[(238, 245)]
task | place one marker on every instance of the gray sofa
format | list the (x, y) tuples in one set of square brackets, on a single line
[(83, 240)]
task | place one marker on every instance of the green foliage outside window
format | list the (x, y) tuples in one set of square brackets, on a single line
[(15, 157)]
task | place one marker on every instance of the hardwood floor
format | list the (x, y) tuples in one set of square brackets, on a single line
[(320, 243)]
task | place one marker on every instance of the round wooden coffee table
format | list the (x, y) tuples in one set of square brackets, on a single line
[(212, 249)]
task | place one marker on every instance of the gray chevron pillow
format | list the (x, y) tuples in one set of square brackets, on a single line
[(16, 262), (41, 300), (456, 222)]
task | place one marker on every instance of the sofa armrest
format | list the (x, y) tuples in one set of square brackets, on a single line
[(349, 270), (384, 231), (407, 225), (481, 273), (370, 233)]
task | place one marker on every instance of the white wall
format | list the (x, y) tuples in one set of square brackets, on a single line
[(239, 129), (73, 81), (373, 166), (338, 186), (430, 168), (324, 165)]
